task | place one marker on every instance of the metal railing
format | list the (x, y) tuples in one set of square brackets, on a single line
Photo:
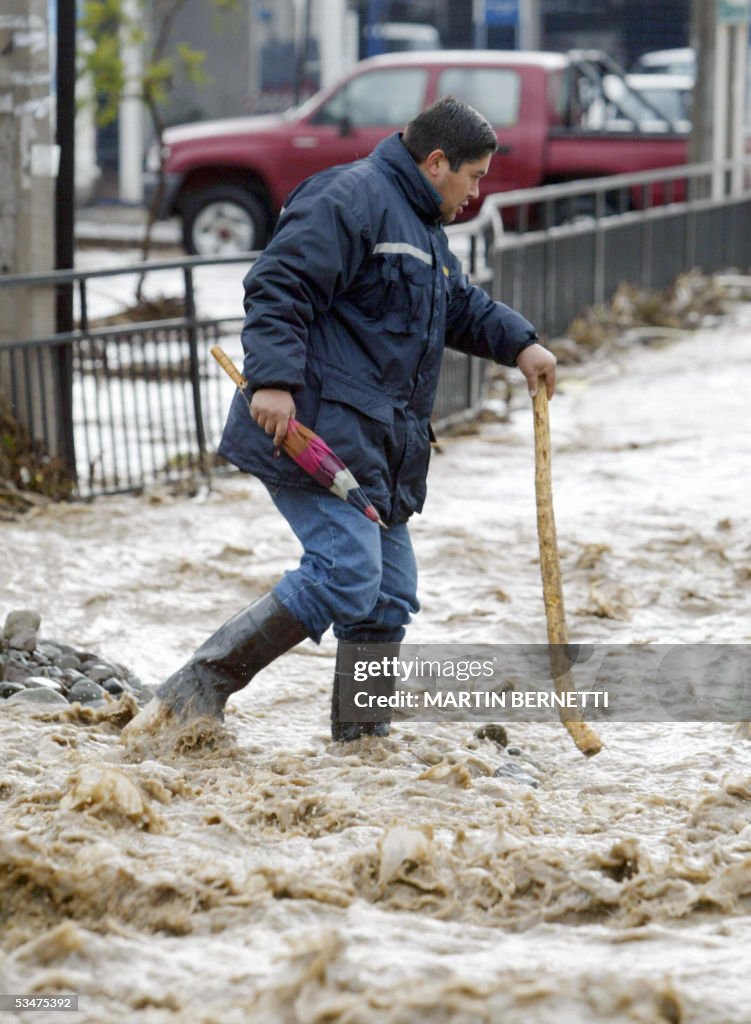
[(143, 402), (551, 252), (148, 402)]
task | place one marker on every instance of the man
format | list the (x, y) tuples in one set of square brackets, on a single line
[(347, 313)]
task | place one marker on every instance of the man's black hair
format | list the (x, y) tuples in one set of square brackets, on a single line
[(459, 130)]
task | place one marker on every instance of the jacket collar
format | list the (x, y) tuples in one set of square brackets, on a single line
[(408, 177)]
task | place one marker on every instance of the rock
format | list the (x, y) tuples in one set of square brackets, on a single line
[(22, 640), (511, 770), (36, 695), (114, 686), (518, 752), (21, 629), (86, 657), (51, 666), (16, 672), (46, 650), (85, 691), (493, 732), (72, 676), (143, 693), (99, 671), (35, 682), (8, 689), (69, 661)]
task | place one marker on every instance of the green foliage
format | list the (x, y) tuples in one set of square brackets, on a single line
[(110, 25), (192, 61)]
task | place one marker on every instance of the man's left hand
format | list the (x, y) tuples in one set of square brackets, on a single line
[(538, 366)]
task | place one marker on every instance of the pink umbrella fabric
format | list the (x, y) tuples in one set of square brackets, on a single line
[(310, 451)]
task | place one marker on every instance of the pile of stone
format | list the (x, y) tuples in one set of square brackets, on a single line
[(47, 672)]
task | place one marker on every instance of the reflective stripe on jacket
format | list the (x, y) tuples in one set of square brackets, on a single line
[(348, 308)]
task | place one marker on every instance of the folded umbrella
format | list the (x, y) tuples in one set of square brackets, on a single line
[(309, 450)]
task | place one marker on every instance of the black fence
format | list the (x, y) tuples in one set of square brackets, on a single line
[(147, 400), (128, 404), (573, 244)]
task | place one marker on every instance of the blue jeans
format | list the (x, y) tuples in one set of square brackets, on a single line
[(353, 574)]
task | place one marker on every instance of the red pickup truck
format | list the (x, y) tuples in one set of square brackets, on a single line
[(558, 117)]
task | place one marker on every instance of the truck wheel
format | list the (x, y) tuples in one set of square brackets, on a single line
[(223, 220)]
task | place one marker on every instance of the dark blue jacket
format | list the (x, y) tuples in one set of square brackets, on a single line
[(349, 307)]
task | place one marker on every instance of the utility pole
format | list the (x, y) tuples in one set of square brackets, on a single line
[(720, 39), (528, 33), (336, 30), (302, 42), (28, 161), (130, 121), (65, 191), (479, 24), (703, 40), (28, 168)]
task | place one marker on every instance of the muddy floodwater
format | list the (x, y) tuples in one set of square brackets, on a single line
[(259, 873)]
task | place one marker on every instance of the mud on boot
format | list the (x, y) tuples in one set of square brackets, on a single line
[(229, 659)]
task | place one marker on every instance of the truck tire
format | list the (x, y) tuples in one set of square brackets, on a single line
[(222, 220)]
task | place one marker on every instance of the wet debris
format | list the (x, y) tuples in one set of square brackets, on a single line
[(647, 316), (145, 310), (35, 670), (107, 792), (402, 849), (607, 600), (29, 477)]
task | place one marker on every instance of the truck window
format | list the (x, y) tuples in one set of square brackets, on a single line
[(494, 92), (390, 97), (558, 98)]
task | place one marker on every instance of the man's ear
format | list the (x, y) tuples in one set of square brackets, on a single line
[(434, 163)]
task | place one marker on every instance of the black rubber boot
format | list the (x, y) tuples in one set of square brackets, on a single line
[(229, 659), (348, 732)]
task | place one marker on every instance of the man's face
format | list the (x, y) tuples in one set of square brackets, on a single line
[(457, 188)]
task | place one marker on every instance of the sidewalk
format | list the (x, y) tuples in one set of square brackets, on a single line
[(117, 224)]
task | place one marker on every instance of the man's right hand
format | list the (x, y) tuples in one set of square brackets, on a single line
[(272, 408), (537, 363)]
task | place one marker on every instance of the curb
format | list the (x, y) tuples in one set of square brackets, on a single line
[(93, 231)]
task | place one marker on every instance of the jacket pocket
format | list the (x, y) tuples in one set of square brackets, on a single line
[(356, 422), (408, 293)]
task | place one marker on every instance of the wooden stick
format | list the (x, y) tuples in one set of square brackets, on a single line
[(228, 366), (582, 734)]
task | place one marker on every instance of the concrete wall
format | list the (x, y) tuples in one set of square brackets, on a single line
[(27, 194), (224, 39)]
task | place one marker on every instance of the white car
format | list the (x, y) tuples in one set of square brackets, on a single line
[(670, 93), (401, 36), (681, 61), (651, 103)]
